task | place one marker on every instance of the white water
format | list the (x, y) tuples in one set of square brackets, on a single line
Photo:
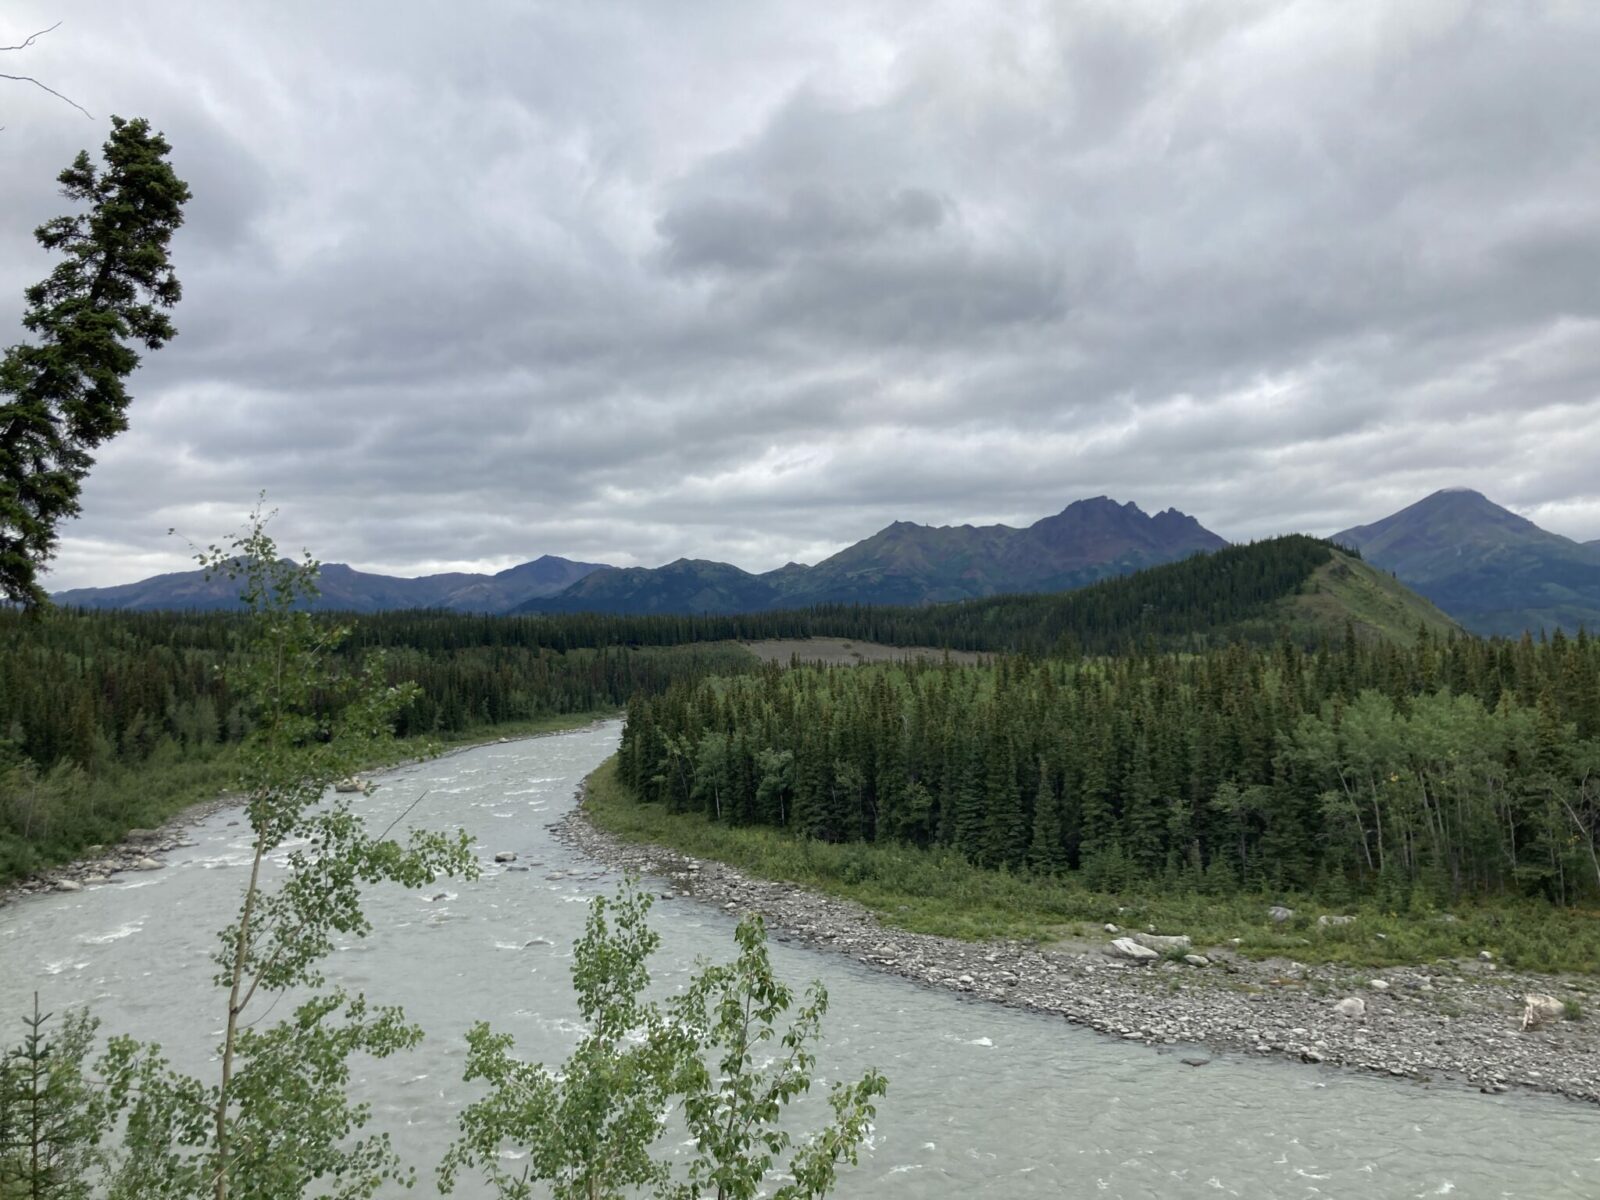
[(983, 1101)]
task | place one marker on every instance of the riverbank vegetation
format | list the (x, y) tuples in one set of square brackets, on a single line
[(116, 721), (938, 891), (274, 1115), (1443, 775)]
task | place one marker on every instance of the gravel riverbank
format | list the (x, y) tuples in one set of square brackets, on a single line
[(1445, 1021)]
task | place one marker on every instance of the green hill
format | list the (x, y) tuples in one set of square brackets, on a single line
[(1298, 586)]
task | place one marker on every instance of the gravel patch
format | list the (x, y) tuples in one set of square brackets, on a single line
[(1458, 1021)]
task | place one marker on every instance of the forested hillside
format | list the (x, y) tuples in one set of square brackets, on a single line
[(1450, 768), (110, 719), (106, 716)]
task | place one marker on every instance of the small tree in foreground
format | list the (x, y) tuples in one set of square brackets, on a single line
[(588, 1129), (52, 1118), (277, 1119)]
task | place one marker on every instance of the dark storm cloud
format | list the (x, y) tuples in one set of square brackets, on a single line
[(632, 281)]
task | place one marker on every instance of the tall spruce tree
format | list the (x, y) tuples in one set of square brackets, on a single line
[(63, 394)]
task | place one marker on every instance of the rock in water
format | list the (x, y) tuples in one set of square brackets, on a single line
[(147, 864), (1539, 1008), (506, 856), (68, 885), (1351, 1006), (1130, 951), (353, 784)]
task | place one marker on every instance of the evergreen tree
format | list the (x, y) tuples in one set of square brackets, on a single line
[(62, 395)]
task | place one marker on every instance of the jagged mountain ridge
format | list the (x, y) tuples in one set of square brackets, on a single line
[(910, 564), (1492, 570)]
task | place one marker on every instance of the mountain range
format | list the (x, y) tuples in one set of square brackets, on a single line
[(1489, 569), (345, 589), (1493, 571), (903, 563), (910, 564)]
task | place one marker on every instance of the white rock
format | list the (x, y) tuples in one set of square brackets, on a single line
[(1161, 943), (1110, 928), (68, 885), (1485, 956), (1378, 985), (1197, 960), (1326, 919), (146, 864), (1130, 950), (506, 856), (1351, 1006), (1280, 914), (352, 784), (1539, 1008)]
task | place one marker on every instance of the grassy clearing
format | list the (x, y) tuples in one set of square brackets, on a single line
[(941, 893), (98, 811)]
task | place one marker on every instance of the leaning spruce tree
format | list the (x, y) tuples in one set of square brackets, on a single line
[(63, 394)]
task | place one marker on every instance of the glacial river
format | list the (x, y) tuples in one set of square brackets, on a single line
[(983, 1102)]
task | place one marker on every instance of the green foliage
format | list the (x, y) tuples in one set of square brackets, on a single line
[(52, 1117), (937, 891), (62, 395), (1447, 770), (733, 1105), (588, 1129), (278, 1117), (115, 721)]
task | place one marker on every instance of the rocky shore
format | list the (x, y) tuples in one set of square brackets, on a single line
[(139, 850), (1457, 1021)]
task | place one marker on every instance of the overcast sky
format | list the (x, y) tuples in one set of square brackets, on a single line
[(466, 284)]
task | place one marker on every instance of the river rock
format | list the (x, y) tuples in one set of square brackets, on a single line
[(1110, 928), (506, 856), (1485, 956), (68, 885), (1280, 914), (1378, 985), (146, 864), (1197, 960), (1352, 1007), (1129, 950), (1162, 943), (1538, 1008), (1326, 919), (142, 835), (353, 784)]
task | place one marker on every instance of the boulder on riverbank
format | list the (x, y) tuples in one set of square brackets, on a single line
[(1129, 950), (1163, 943), (1540, 1009)]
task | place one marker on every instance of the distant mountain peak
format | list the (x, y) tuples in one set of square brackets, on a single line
[(1492, 569)]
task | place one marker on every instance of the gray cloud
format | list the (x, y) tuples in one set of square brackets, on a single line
[(632, 281)]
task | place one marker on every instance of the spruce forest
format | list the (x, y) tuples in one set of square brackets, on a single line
[(1450, 769), (1180, 727)]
